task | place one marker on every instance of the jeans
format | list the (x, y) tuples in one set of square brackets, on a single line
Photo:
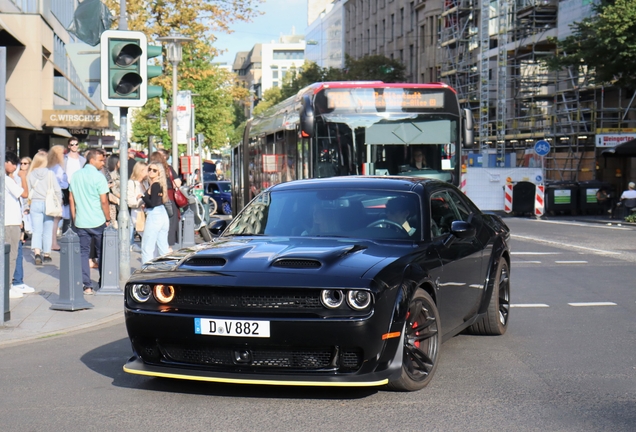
[(86, 235), (18, 273), (42, 228), (155, 233)]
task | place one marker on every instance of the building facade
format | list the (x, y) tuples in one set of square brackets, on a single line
[(325, 37), (46, 97)]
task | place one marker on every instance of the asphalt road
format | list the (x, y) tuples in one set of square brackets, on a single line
[(567, 363)]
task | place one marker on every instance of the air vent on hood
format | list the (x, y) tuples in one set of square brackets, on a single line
[(205, 262), (297, 263)]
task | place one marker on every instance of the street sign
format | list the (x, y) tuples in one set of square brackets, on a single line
[(542, 147)]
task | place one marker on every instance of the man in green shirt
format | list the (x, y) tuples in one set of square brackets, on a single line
[(89, 211)]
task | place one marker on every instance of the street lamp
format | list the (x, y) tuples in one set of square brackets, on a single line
[(174, 55)]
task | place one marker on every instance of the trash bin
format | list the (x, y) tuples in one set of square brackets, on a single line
[(523, 194), (588, 202), (562, 197), (7, 282)]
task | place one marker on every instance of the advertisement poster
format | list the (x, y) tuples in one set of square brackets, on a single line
[(184, 110)]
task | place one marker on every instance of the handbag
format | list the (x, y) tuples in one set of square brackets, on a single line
[(52, 204), (140, 222), (179, 198)]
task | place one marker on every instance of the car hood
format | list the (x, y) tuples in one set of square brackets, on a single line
[(309, 258)]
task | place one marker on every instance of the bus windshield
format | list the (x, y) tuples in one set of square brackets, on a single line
[(391, 144)]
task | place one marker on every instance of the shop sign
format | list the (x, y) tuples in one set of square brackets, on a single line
[(612, 140), (76, 119)]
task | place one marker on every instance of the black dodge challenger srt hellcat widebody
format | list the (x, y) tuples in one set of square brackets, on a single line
[(346, 281)]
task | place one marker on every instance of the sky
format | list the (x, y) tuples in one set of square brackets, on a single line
[(279, 18)]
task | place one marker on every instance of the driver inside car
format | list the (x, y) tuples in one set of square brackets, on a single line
[(398, 211)]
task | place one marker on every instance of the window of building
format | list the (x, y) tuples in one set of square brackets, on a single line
[(275, 72), (383, 32), (288, 55), (375, 38), (413, 17), (412, 72), (392, 26), (368, 41), (401, 22)]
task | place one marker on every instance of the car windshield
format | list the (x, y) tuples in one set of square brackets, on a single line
[(225, 187), (351, 213)]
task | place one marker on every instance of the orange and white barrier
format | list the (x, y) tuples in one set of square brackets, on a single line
[(539, 203), (508, 197), (462, 184)]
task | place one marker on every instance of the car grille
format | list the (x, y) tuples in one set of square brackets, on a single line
[(344, 360), (239, 299)]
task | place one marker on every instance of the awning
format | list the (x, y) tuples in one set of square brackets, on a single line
[(62, 132), (16, 119), (626, 149)]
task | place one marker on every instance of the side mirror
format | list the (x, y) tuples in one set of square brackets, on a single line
[(307, 116), (217, 227), (469, 139), (461, 229)]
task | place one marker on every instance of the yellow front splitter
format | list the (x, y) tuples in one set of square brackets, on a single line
[(255, 381)]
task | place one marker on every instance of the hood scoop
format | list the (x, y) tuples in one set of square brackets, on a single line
[(205, 262), (297, 263)]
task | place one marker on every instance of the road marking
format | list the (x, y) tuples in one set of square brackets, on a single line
[(564, 245), (590, 224), (526, 262), (529, 305), (570, 262), (535, 253), (592, 304)]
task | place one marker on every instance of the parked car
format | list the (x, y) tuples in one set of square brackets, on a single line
[(221, 193), (345, 281)]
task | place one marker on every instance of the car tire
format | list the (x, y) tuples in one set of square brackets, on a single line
[(420, 350), (226, 208), (495, 322)]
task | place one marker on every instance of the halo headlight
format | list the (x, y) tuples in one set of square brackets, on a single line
[(358, 299), (141, 293), (164, 293), (331, 299)]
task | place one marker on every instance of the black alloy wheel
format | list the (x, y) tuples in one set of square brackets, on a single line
[(495, 322), (422, 340)]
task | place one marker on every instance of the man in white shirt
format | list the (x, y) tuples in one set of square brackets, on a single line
[(13, 191), (630, 192)]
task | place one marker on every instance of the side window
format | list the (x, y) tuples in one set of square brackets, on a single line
[(462, 210), (443, 213)]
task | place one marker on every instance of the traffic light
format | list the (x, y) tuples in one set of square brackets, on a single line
[(124, 69)]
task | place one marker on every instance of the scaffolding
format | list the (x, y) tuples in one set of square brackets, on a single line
[(493, 54)]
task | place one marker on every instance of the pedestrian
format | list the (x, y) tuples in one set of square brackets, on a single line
[(114, 185), (131, 160), (137, 187), (25, 164), (55, 163), (15, 187), (157, 220), (628, 199), (90, 212), (73, 162), (40, 179), (160, 157)]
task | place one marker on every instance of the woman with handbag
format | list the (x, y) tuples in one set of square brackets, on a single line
[(55, 162), (136, 187), (44, 194), (157, 221), (159, 157)]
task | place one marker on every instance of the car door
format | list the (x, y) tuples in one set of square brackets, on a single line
[(459, 279)]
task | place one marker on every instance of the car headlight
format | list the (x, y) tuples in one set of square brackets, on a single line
[(141, 293), (331, 299), (164, 293), (358, 299)]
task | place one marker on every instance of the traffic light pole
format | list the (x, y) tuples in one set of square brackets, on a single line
[(123, 219)]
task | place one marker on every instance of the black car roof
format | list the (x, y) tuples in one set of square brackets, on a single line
[(372, 182)]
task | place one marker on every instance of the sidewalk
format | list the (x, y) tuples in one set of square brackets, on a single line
[(31, 316)]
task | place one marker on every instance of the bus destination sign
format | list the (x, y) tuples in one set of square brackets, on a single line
[(372, 99)]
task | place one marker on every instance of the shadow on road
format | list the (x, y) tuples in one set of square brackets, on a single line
[(109, 359)]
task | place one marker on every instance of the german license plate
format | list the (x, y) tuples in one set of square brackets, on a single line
[(234, 328)]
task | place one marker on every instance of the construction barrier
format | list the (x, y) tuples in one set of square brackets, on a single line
[(462, 184), (539, 202), (508, 197)]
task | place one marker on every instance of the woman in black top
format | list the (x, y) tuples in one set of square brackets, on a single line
[(159, 157), (157, 221)]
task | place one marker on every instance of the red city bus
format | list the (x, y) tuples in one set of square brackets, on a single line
[(352, 128)]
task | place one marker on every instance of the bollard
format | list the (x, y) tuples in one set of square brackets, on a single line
[(7, 283), (110, 263), (71, 287), (187, 229)]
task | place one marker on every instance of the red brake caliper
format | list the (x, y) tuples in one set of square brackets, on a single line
[(417, 343)]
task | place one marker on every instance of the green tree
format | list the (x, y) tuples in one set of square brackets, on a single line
[(604, 44), (270, 98)]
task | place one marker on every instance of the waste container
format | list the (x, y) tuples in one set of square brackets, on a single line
[(7, 282), (588, 201), (523, 194), (561, 197)]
